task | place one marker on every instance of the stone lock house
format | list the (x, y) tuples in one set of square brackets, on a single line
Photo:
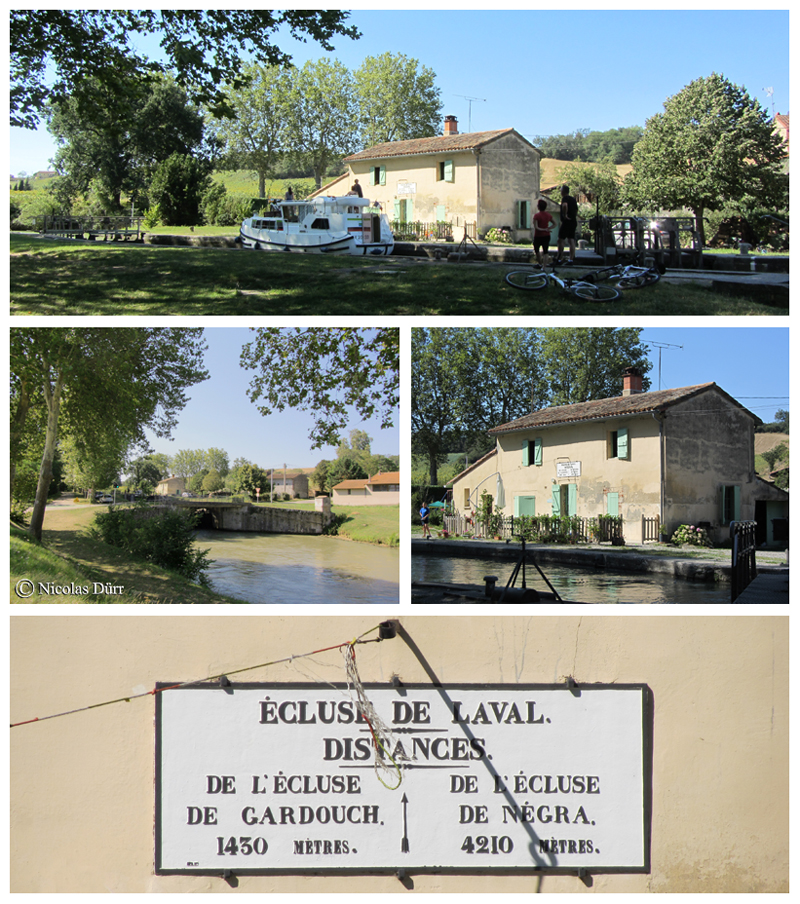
[(683, 455), (477, 179)]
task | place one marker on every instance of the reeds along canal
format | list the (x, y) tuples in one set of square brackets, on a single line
[(291, 568)]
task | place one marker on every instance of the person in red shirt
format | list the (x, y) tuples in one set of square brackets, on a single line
[(542, 224)]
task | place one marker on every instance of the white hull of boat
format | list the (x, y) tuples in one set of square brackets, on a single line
[(323, 225)]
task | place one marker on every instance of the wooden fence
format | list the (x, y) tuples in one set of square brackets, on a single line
[(651, 528)]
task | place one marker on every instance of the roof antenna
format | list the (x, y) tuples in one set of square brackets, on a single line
[(470, 99), (659, 346)]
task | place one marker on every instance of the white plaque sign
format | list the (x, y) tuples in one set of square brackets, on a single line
[(568, 469), (274, 777)]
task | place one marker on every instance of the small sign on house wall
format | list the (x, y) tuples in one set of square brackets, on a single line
[(406, 188), (259, 778), (568, 469)]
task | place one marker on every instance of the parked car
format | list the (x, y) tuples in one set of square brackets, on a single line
[(105, 499)]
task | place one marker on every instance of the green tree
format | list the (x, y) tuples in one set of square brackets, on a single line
[(114, 153), (188, 462), (599, 181), (55, 52), (712, 145), (245, 478), (177, 189), (329, 371), (254, 136), (580, 365), (101, 386), (213, 482), (320, 111), (397, 99), (217, 460), (464, 381)]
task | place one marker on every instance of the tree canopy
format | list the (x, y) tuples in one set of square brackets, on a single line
[(613, 145), (102, 388), (465, 381), (713, 144), (329, 371), (203, 48)]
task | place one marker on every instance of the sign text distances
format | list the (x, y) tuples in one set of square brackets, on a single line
[(258, 778)]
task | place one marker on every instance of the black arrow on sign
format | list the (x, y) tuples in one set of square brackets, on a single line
[(404, 843)]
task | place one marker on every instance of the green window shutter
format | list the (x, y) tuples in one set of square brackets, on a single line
[(537, 451), (372, 175), (737, 503), (555, 501), (612, 504), (441, 213), (524, 505), (449, 171), (623, 444), (397, 210), (526, 453), (572, 499), (383, 175)]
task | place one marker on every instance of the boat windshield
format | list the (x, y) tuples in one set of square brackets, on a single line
[(296, 213)]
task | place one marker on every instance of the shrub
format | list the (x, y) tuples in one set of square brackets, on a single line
[(165, 539), (689, 535), (499, 235)]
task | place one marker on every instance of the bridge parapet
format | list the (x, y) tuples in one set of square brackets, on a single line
[(256, 518)]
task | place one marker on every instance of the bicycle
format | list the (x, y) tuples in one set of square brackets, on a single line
[(580, 287)]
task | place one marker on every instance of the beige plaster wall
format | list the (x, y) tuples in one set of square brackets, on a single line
[(82, 785), (459, 197), (509, 174)]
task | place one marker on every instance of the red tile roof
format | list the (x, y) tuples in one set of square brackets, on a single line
[(387, 477), (436, 145), (619, 406)]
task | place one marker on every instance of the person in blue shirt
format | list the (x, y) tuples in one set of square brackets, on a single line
[(425, 514)]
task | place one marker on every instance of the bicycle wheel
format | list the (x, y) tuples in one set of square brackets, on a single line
[(638, 282), (524, 279), (596, 293)]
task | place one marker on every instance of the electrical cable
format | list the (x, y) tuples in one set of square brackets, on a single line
[(348, 644)]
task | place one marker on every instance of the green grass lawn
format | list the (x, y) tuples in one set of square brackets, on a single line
[(58, 277)]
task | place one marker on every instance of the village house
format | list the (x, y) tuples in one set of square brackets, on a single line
[(292, 482), (477, 180), (380, 489), (684, 456), (170, 486)]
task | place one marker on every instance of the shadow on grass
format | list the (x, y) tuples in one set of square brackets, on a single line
[(57, 277)]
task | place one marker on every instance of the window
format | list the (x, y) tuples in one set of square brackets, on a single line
[(523, 214), (466, 497), (320, 223), (524, 505), (446, 171), (377, 175), (619, 444), (730, 504), (532, 452)]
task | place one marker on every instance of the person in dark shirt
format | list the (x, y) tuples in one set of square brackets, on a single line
[(356, 189), (569, 224)]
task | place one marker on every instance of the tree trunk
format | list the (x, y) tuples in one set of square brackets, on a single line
[(701, 226), (17, 426), (52, 396)]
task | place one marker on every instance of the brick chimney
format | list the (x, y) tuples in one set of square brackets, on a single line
[(631, 381), (450, 125)]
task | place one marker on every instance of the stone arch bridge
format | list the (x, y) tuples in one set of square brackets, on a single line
[(243, 516)]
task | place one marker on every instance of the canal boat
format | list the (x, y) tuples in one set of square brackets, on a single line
[(323, 225)]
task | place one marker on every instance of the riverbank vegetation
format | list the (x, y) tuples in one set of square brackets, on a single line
[(70, 559)]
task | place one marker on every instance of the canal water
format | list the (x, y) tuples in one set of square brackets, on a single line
[(580, 585), (289, 568)]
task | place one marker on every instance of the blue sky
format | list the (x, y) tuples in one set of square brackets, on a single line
[(749, 363), (603, 69), (219, 414)]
